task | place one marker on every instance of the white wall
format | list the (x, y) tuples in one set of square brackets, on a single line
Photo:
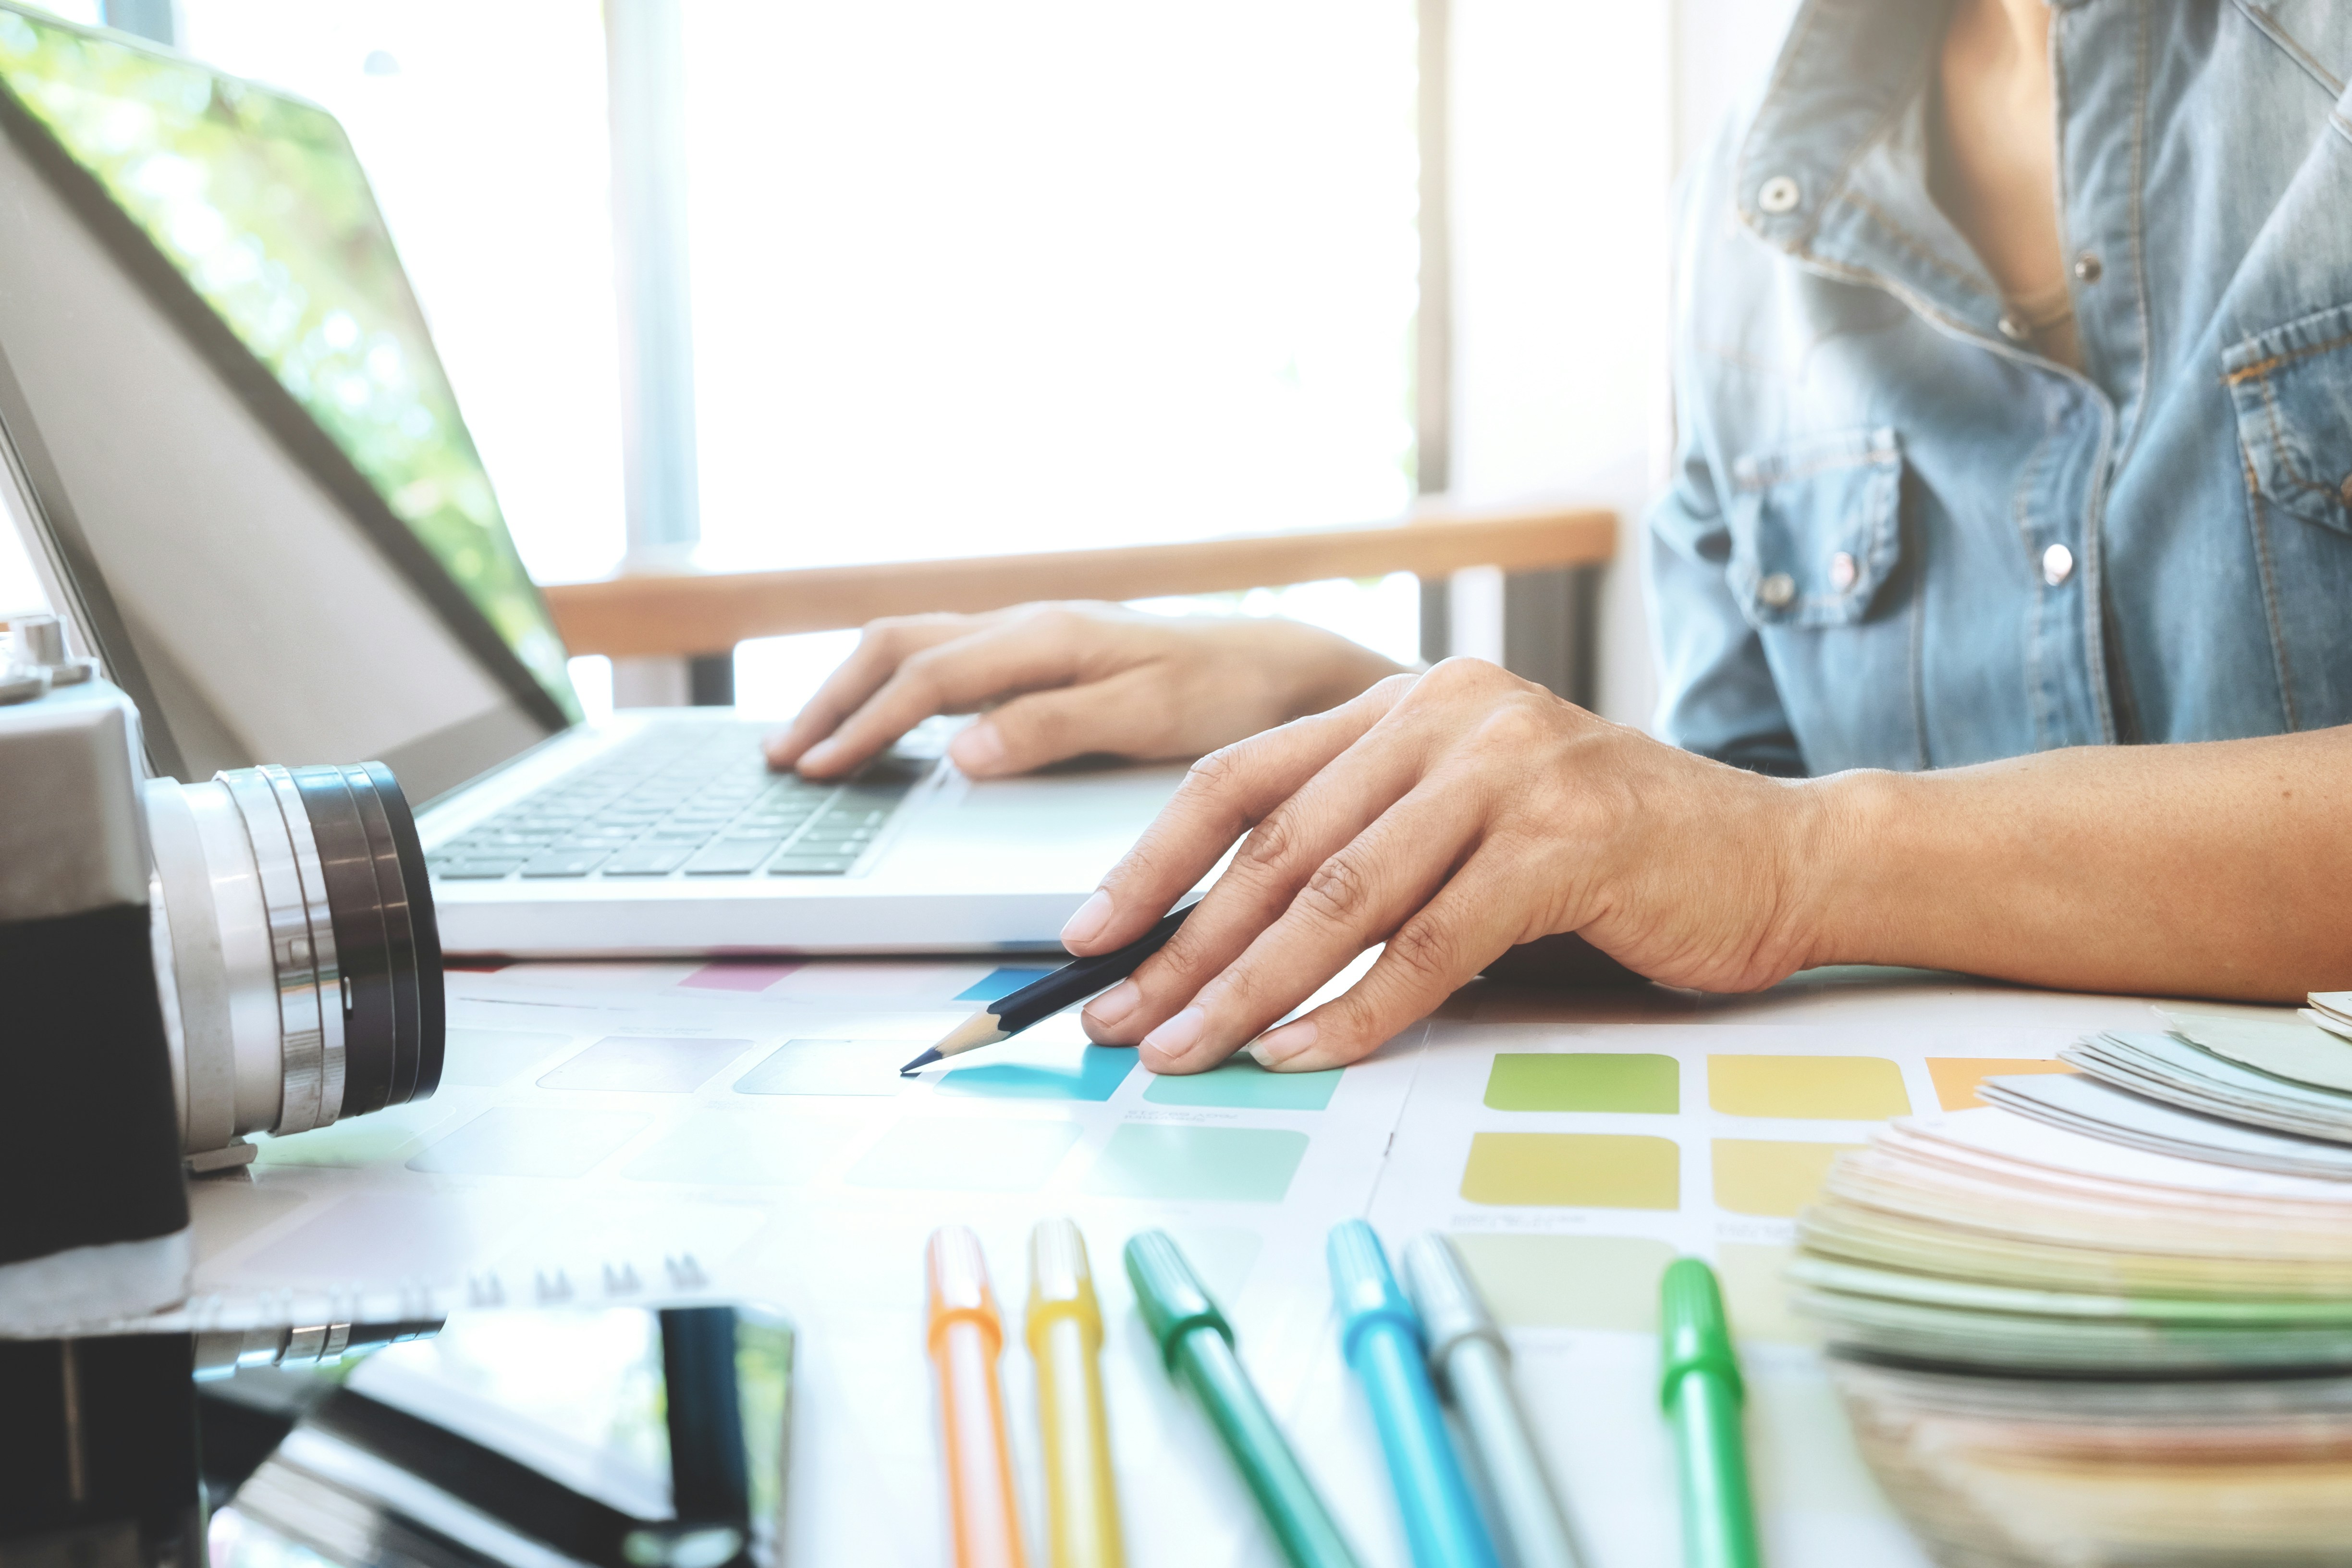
[(1570, 120)]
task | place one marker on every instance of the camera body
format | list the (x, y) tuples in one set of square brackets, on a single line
[(181, 965)]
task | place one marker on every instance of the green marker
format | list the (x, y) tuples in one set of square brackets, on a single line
[(1702, 1394), (1197, 1345)]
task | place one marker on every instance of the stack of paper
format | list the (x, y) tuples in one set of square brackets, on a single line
[(2332, 1011), (1996, 1471), (2109, 1319)]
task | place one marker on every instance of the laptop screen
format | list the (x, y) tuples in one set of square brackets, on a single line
[(247, 206)]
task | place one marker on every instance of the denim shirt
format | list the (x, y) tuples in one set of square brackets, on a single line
[(1896, 536)]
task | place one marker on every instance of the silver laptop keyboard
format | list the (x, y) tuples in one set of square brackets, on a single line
[(684, 801)]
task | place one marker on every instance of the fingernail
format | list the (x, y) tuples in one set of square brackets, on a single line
[(1115, 1003), (1177, 1036), (979, 750), (818, 755), (1087, 923), (1278, 1045)]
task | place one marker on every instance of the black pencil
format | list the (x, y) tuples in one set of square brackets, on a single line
[(1042, 999)]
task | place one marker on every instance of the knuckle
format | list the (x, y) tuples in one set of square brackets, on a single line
[(1268, 847), (1422, 951), (1339, 893), (1513, 725), (1215, 773)]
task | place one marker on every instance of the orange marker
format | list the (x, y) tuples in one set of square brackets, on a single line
[(966, 1336)]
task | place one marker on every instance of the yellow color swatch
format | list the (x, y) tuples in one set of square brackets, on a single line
[(1574, 1169), (1821, 1089), (1759, 1177), (1568, 1281), (1957, 1077)]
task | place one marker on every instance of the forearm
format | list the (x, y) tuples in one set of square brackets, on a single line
[(2216, 869)]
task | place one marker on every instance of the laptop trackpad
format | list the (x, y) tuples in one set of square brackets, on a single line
[(1039, 831)]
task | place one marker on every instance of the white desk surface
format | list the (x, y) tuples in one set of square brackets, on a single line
[(511, 1187)]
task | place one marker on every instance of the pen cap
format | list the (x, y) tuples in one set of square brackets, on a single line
[(1061, 1286), (956, 1272), (1694, 1336), (1169, 1295), (1451, 1309), (1363, 1288)]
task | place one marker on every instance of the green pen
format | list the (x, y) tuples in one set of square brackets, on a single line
[(1702, 1394), (1196, 1344)]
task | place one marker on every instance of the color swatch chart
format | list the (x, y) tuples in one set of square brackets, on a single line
[(632, 1132)]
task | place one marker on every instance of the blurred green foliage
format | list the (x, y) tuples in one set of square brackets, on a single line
[(258, 200)]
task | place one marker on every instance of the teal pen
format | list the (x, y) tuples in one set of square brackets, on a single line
[(1471, 1363), (1197, 1346), (1382, 1340), (1702, 1394)]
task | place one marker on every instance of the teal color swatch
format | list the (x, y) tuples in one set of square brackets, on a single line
[(1242, 1085), (1225, 1164), (1097, 1075), (1000, 983)]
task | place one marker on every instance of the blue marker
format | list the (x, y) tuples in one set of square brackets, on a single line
[(1382, 1340)]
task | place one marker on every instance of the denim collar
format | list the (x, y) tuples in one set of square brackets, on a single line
[(1844, 120)]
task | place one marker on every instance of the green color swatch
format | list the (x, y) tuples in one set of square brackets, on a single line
[(1584, 1081), (1228, 1164), (1240, 1084), (1573, 1170), (939, 1153)]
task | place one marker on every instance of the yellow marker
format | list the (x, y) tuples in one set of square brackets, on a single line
[(1066, 1333)]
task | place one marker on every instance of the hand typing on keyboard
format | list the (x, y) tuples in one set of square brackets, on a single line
[(1062, 680)]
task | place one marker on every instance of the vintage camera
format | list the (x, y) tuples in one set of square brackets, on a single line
[(181, 965)]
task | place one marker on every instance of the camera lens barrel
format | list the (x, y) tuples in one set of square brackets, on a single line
[(385, 943), (296, 936)]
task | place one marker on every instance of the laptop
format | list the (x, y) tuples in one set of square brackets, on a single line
[(245, 479)]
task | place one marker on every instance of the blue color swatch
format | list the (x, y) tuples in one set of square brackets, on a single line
[(1097, 1075)]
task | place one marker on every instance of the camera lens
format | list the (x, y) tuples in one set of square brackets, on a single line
[(295, 942), (385, 946)]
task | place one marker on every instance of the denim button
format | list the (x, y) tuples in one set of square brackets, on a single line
[(2057, 564), (2012, 329), (1843, 570), (1776, 590), (1777, 195), (2088, 267)]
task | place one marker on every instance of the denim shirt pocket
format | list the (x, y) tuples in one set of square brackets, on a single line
[(1816, 539), (1816, 528), (2291, 388)]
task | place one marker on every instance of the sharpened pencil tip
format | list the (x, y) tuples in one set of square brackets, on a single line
[(918, 1063)]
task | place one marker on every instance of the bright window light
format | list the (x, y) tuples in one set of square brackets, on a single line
[(1048, 274)]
